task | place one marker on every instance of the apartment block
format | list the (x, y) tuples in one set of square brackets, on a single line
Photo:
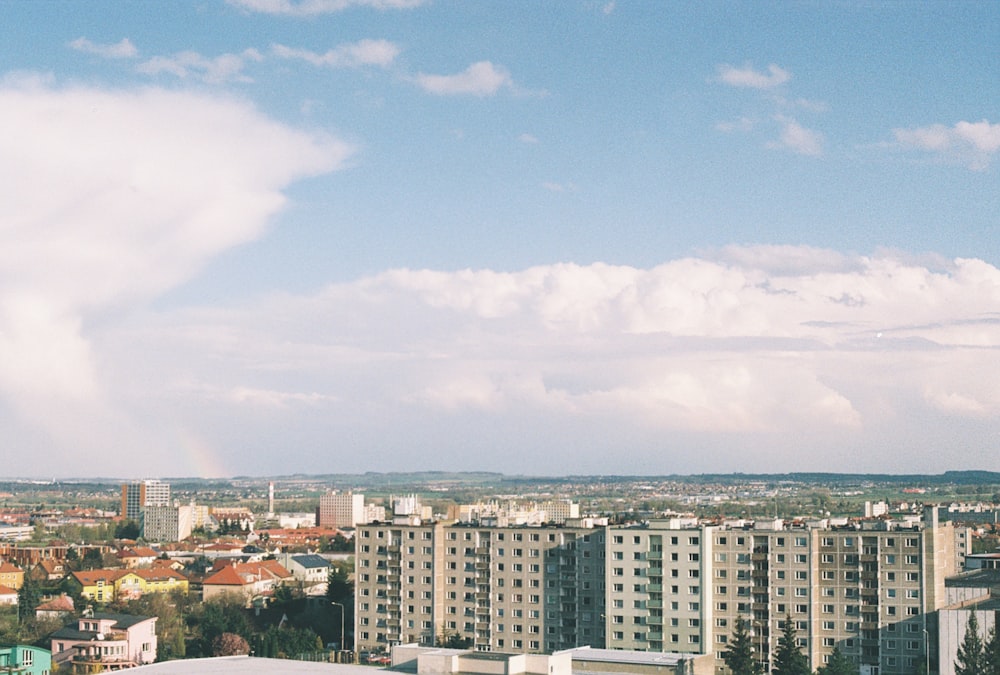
[(531, 589), (869, 587), (656, 572), (139, 494), (167, 523), (340, 509)]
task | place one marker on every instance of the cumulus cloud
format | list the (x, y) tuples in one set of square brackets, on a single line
[(748, 77), (748, 342), (123, 49), (480, 79), (215, 70), (114, 197), (798, 139), (380, 53), (306, 8), (973, 142)]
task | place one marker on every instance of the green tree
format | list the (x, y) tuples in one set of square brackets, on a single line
[(72, 560), (838, 665), (739, 656), (971, 658), (991, 652), (28, 597), (788, 658), (92, 559), (127, 529)]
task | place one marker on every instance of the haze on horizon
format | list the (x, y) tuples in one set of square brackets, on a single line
[(331, 236)]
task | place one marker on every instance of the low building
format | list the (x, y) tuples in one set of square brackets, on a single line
[(253, 581), (105, 642), (308, 569), (105, 585), (8, 596), (11, 575), (25, 660), (56, 608)]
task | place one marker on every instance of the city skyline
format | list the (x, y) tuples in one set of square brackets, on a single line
[(266, 236)]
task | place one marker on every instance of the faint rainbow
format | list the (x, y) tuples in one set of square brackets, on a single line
[(200, 458)]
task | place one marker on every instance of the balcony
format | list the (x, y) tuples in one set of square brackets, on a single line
[(654, 604), (654, 555), (654, 620), (654, 588)]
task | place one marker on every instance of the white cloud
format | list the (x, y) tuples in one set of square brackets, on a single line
[(552, 186), (798, 139), (188, 64), (123, 49), (114, 197), (304, 8), (754, 79), (766, 342), (480, 79), (527, 138), (380, 53), (743, 124), (973, 142)]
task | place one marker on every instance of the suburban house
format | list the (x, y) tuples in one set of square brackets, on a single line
[(56, 608), (8, 596), (139, 556), (49, 570), (25, 660), (108, 585), (106, 642), (253, 580), (11, 575), (308, 569)]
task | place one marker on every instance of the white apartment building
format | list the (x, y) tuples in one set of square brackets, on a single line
[(869, 588), (495, 589), (167, 523), (139, 494), (340, 509)]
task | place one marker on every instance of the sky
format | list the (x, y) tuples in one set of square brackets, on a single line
[(264, 237)]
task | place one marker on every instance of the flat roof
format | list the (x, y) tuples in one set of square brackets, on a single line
[(622, 656), (225, 665)]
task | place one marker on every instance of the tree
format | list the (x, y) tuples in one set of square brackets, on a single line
[(28, 597), (838, 665), (991, 653), (971, 659), (788, 658), (92, 559), (739, 656), (230, 644)]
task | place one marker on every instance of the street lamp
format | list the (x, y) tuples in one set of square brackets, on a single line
[(927, 652), (341, 644)]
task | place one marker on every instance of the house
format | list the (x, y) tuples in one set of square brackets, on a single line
[(107, 585), (106, 642), (11, 575), (139, 556), (25, 660), (308, 569), (56, 608), (131, 584), (49, 570), (8, 596), (97, 585), (254, 580)]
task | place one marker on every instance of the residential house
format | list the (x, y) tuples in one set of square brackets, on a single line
[(25, 660), (49, 570), (56, 608), (106, 585), (106, 642), (308, 569), (11, 575), (255, 581), (8, 596), (140, 556)]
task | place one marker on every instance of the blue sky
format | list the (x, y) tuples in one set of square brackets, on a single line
[(268, 236)]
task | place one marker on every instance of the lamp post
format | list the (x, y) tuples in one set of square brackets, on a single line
[(927, 652), (340, 646)]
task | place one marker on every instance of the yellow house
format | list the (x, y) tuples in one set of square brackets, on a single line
[(11, 575), (109, 585)]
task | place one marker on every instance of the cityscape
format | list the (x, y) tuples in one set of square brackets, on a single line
[(500, 337), (850, 573)]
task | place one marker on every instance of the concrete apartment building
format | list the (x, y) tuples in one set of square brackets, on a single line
[(139, 494), (869, 588), (495, 589), (340, 509)]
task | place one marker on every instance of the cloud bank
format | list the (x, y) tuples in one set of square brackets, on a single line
[(112, 199), (762, 358)]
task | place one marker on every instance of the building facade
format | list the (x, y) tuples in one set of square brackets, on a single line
[(340, 509), (139, 494), (869, 588), (495, 589)]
